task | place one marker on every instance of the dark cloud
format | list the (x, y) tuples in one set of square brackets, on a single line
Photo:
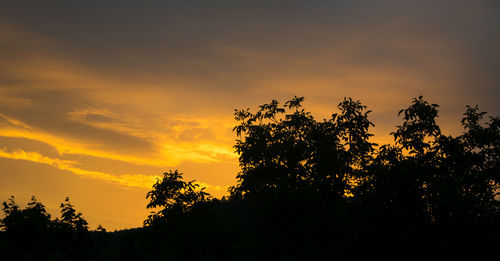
[(14, 144), (92, 117), (220, 54), (48, 111), (229, 44)]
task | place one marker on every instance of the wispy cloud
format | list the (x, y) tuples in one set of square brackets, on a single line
[(136, 180), (128, 180)]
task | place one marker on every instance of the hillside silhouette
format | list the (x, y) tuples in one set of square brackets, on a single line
[(307, 189)]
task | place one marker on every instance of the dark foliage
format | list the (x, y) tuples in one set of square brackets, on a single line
[(308, 190), (295, 152), (30, 233), (174, 196)]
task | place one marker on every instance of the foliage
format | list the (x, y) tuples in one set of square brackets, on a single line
[(424, 176), (30, 232), (443, 178), (174, 196), (70, 219), (25, 226), (419, 124), (285, 148)]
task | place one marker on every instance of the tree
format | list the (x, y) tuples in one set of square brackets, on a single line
[(174, 196), (418, 127), (425, 175), (283, 148), (70, 219), (27, 226), (468, 171), (434, 177)]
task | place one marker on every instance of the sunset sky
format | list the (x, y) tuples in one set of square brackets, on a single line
[(98, 98)]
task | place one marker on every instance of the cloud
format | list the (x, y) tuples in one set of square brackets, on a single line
[(57, 103), (128, 180), (169, 150), (140, 181)]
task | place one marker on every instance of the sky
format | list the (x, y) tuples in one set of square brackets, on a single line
[(99, 98)]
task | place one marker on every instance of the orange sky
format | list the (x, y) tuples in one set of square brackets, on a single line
[(97, 100)]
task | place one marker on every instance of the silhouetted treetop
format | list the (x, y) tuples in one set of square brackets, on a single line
[(424, 175), (26, 225), (174, 196), (31, 233), (419, 123), (285, 148), (443, 178), (70, 218)]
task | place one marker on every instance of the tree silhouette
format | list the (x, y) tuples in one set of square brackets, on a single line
[(295, 152), (25, 227), (419, 124), (70, 219), (425, 175), (434, 177), (174, 196), (31, 233)]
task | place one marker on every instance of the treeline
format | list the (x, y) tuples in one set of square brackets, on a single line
[(31, 233), (321, 190)]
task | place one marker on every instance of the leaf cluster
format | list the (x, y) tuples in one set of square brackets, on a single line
[(285, 148), (173, 196)]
